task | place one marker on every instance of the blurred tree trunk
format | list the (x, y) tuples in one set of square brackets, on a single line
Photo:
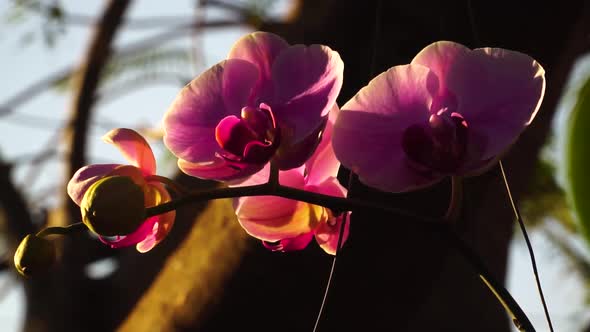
[(392, 275)]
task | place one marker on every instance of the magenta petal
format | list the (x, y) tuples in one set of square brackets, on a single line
[(232, 134), (294, 154), (498, 92), (261, 49), (219, 169), (323, 163), (259, 177), (139, 235), (85, 177), (163, 224), (252, 207), (367, 135), (440, 57), (134, 148), (190, 121), (290, 244), (327, 233), (307, 80), (329, 186), (272, 218)]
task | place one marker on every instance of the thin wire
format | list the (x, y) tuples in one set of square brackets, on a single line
[(345, 220), (477, 41), (351, 176), (528, 244), (332, 269)]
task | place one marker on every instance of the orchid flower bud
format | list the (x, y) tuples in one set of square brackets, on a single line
[(113, 205), (33, 255)]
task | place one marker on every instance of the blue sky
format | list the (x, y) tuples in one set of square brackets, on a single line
[(22, 65)]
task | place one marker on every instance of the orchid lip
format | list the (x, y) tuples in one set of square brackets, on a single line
[(251, 138), (440, 145)]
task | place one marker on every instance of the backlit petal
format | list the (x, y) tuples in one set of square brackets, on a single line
[(303, 219), (85, 177), (290, 244), (368, 132), (498, 92), (261, 49), (330, 186), (219, 169), (323, 163), (439, 57), (272, 218), (133, 147), (328, 232), (158, 195), (307, 80), (137, 236), (190, 121)]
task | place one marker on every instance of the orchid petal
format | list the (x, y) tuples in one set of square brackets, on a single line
[(440, 57), (219, 169), (368, 132), (291, 154), (157, 195), (190, 121), (260, 49), (137, 236), (302, 219), (130, 171), (323, 163), (327, 233), (499, 93), (307, 80), (133, 147), (85, 177), (330, 186), (290, 244), (272, 218)]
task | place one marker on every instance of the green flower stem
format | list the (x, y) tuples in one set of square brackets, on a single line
[(71, 229)]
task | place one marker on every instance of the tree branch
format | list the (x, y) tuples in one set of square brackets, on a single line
[(96, 57), (18, 219), (173, 33)]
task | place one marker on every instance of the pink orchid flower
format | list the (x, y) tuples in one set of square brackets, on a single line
[(267, 100), (143, 164), (451, 111), (286, 225)]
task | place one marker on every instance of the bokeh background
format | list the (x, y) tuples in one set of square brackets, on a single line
[(209, 275)]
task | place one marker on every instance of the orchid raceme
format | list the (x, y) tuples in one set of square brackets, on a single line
[(268, 100), (451, 111), (142, 165), (287, 225)]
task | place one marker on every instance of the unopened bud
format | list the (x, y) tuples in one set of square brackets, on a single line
[(113, 206), (34, 255)]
